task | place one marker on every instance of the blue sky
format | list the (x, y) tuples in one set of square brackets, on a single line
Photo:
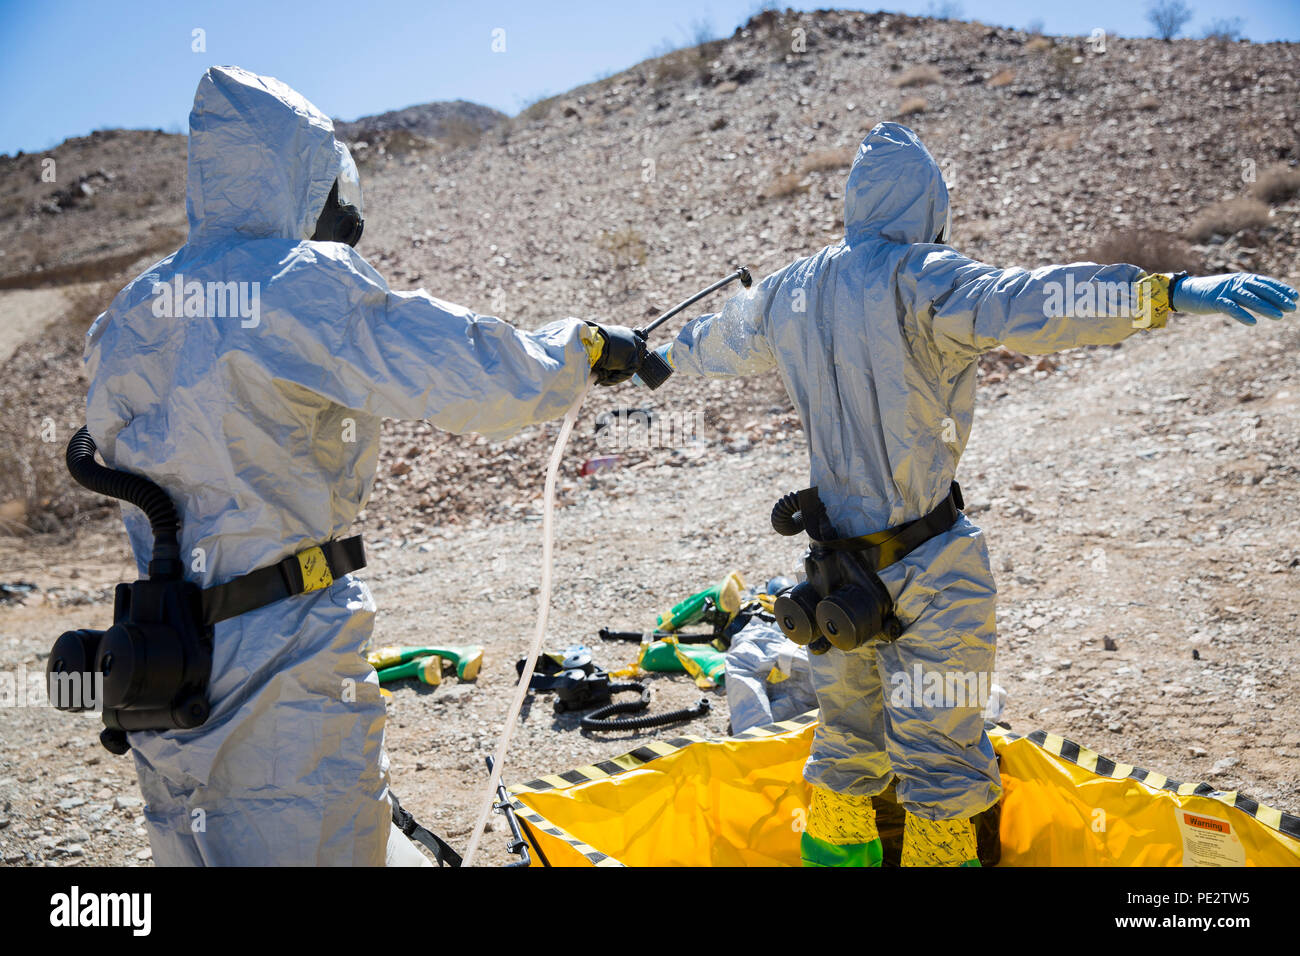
[(67, 68)]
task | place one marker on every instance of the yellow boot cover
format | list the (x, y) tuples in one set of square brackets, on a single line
[(841, 818), (938, 842)]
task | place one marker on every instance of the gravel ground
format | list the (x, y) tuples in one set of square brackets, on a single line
[(1138, 501), (1135, 497)]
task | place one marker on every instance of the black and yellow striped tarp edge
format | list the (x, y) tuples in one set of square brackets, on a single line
[(1093, 762), (1054, 744), (629, 761), (651, 751)]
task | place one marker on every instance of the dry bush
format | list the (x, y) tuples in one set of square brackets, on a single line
[(828, 159), (400, 142), (1038, 45), (912, 105), (784, 185), (619, 252), (1063, 67), (1228, 218), (1151, 249), (687, 63), (458, 132), (1062, 140), (538, 109), (1276, 184), (1002, 78), (917, 76)]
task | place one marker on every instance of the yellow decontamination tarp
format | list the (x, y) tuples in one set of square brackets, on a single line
[(741, 801)]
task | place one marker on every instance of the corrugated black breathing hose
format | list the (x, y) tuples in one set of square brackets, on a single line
[(602, 720), (786, 517), (139, 491)]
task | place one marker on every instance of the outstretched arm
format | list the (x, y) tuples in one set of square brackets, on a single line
[(969, 307), (409, 355)]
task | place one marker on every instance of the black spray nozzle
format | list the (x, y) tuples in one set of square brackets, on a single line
[(742, 274), (655, 370)]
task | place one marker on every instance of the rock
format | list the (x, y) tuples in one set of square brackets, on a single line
[(145, 854), (1197, 751), (71, 802), (1224, 765), (127, 803)]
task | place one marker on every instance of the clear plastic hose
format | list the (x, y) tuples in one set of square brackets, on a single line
[(543, 612)]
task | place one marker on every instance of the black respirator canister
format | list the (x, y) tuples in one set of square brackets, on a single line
[(150, 670)]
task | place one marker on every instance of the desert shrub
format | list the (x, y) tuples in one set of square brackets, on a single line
[(917, 76), (400, 142), (1002, 78), (1064, 67), (1151, 249), (458, 132), (1224, 29), (538, 109), (1276, 184), (784, 185), (828, 159), (912, 105), (1039, 45), (1168, 17), (1228, 218), (619, 251)]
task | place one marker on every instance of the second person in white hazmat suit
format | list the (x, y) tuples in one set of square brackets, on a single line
[(263, 427), (876, 339)]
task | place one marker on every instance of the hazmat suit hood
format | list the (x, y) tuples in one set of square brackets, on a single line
[(262, 159), (895, 189)]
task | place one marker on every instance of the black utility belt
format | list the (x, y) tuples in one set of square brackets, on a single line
[(842, 603), (883, 548), (311, 570)]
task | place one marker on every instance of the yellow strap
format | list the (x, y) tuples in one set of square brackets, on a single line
[(841, 818), (1152, 306), (315, 570)]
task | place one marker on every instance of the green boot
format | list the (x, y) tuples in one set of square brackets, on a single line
[(817, 852)]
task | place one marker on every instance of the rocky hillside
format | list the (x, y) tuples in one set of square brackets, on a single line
[(457, 121), (625, 195)]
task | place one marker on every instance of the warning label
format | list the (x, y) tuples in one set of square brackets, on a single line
[(1209, 841)]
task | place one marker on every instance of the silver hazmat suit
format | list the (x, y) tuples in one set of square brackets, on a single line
[(876, 339), (263, 426)]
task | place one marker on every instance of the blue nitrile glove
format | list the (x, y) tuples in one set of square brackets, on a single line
[(1233, 294)]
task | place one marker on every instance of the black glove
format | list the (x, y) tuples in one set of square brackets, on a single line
[(621, 355)]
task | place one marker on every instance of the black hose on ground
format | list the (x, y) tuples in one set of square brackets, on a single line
[(139, 491), (602, 719)]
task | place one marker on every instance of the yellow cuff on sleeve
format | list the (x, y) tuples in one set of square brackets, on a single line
[(1151, 310), (593, 342)]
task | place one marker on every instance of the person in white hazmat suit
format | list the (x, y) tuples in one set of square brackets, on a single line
[(262, 423), (876, 338)]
